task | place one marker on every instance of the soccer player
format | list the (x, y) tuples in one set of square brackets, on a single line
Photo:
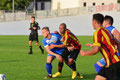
[(50, 39), (34, 27), (107, 23), (73, 47), (105, 43)]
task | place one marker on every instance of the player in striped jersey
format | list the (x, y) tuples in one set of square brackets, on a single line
[(73, 47), (107, 23), (105, 43)]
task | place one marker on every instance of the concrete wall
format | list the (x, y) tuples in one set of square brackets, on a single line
[(80, 25)]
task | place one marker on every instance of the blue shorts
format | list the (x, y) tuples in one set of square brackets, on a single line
[(102, 61)]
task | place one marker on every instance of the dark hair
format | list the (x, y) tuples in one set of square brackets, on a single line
[(47, 28), (33, 17), (98, 17), (63, 24), (109, 19)]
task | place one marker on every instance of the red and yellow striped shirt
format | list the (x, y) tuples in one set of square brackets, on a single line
[(104, 39), (69, 39)]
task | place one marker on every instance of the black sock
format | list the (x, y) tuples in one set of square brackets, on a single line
[(60, 66), (73, 66), (40, 47), (30, 48)]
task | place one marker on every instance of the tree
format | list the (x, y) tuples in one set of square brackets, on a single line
[(118, 1), (19, 4)]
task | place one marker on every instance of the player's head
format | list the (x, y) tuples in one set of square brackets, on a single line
[(62, 28), (108, 21), (33, 19), (97, 20), (45, 32)]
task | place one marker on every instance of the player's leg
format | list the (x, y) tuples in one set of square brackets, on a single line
[(42, 50), (67, 63), (30, 43), (115, 71), (30, 46), (102, 74), (98, 77), (72, 59), (98, 65), (59, 73), (60, 65), (50, 58)]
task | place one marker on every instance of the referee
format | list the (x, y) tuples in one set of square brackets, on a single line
[(34, 27)]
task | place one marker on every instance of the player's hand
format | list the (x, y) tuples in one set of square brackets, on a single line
[(70, 48), (52, 46), (91, 45), (34, 28), (82, 52), (56, 32), (58, 57), (62, 40)]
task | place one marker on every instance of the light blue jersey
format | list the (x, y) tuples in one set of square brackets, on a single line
[(56, 40), (110, 28)]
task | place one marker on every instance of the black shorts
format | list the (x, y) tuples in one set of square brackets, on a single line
[(72, 54), (33, 37), (112, 72)]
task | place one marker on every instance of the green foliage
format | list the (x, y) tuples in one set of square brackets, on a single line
[(19, 4), (16, 64), (118, 1)]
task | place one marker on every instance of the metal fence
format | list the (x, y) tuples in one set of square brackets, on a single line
[(22, 15)]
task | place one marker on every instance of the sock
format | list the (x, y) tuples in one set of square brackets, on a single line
[(66, 62), (30, 48), (97, 67), (70, 66), (40, 47), (49, 68), (60, 66), (73, 66)]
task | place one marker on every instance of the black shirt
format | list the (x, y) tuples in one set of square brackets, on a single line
[(35, 24)]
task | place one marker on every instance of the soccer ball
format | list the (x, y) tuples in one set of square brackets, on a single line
[(2, 77)]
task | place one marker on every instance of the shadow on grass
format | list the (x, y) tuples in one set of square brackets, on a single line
[(90, 76), (86, 77), (12, 61)]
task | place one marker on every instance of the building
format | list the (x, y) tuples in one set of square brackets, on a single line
[(62, 4), (40, 5)]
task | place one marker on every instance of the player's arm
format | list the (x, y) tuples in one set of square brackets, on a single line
[(56, 32), (93, 51), (52, 53), (96, 45), (30, 27), (91, 45), (116, 33), (117, 42), (56, 46), (38, 28)]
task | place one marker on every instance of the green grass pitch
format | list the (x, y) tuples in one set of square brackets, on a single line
[(17, 64)]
